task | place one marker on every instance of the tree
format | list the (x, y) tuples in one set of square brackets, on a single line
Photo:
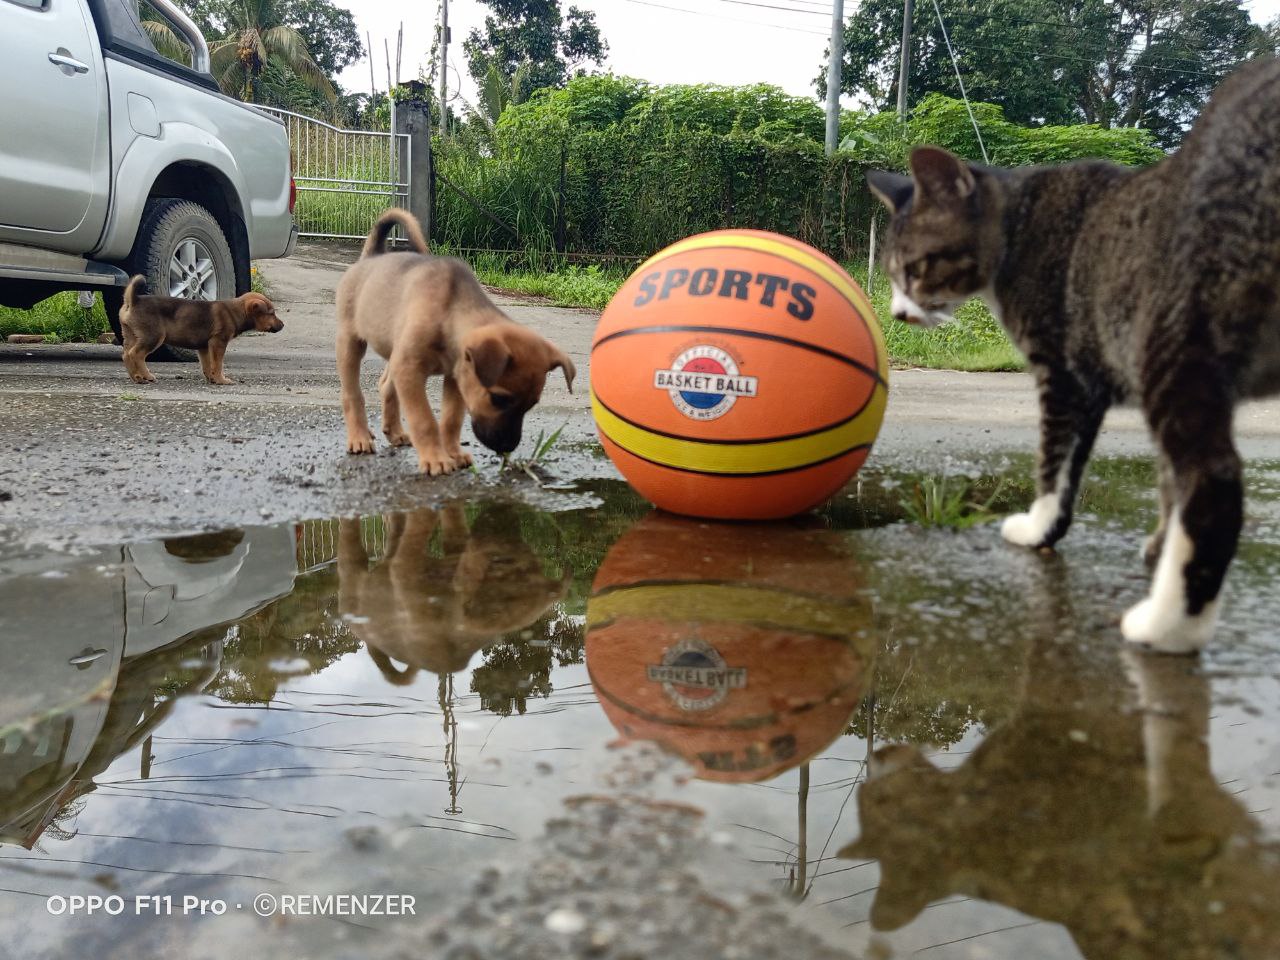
[(534, 32), (1149, 63), (332, 38)]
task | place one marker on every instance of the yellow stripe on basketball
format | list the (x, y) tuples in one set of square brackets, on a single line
[(801, 258), (767, 456), (727, 603)]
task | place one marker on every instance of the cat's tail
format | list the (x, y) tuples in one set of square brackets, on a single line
[(395, 217)]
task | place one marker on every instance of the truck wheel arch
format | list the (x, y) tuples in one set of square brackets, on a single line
[(211, 189)]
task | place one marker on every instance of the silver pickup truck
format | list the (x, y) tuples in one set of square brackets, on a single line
[(115, 160)]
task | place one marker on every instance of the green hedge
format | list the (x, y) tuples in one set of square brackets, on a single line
[(644, 166)]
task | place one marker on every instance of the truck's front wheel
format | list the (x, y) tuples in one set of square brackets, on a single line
[(182, 251)]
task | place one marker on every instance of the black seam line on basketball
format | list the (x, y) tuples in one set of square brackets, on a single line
[(768, 720), (841, 636), (853, 603), (760, 473), (742, 443), (753, 334), (663, 255)]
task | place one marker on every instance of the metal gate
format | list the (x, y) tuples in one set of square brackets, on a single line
[(345, 178)]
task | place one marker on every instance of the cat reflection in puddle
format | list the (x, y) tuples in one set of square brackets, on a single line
[(1083, 811), (441, 590)]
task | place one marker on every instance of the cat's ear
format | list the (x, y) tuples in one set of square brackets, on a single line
[(892, 189), (941, 176)]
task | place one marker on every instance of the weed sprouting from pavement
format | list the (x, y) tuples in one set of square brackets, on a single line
[(947, 502), (542, 446)]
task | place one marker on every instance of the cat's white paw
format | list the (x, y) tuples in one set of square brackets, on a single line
[(1029, 529), (1166, 627)]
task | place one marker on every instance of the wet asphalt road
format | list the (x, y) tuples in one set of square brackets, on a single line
[(88, 456)]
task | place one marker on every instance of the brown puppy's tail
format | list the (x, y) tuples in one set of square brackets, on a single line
[(377, 240), (131, 291)]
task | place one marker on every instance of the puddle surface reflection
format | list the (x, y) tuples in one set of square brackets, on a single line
[(402, 703)]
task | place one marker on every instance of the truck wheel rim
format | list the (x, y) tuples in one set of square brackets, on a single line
[(191, 272)]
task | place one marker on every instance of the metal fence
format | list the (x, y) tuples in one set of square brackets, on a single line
[(316, 541), (345, 178)]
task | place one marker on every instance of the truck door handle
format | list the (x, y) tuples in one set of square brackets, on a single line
[(61, 59)]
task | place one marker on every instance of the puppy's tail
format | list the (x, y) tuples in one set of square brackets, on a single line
[(131, 291), (377, 240)]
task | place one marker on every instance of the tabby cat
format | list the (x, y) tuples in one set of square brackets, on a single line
[(1158, 286)]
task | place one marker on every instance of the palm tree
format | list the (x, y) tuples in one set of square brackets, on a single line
[(254, 37), (498, 92)]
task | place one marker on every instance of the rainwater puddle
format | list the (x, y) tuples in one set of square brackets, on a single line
[(879, 736)]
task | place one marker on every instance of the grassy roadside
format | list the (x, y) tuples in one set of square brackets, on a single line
[(975, 341), (61, 319)]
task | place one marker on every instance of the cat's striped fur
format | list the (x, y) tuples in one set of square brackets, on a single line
[(1158, 286)]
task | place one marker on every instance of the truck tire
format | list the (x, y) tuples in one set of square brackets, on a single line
[(183, 252)]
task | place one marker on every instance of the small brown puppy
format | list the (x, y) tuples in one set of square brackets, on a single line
[(206, 326), (429, 315)]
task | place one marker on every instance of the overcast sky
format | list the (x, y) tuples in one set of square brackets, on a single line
[(664, 41)]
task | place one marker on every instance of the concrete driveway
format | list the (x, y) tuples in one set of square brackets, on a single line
[(89, 456)]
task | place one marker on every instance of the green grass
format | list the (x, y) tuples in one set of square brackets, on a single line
[(973, 341), (571, 286), (59, 319), (944, 501)]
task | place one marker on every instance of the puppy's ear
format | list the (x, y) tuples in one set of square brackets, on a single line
[(490, 358), (560, 359), (940, 176)]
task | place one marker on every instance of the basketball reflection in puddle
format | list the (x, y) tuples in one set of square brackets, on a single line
[(742, 648)]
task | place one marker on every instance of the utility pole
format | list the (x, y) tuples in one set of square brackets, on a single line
[(444, 63), (833, 76), (373, 84), (904, 69), (399, 47)]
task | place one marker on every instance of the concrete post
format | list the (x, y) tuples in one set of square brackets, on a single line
[(413, 118)]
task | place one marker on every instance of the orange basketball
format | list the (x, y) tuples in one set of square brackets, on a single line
[(738, 375), (742, 648)]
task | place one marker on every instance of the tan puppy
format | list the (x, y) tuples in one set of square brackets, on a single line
[(429, 315), (434, 610), (206, 326)]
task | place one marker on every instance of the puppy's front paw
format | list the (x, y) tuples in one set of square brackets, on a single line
[(460, 458), (397, 438), (1167, 628), (435, 464), (224, 382), (360, 443), (142, 378), (1030, 529)]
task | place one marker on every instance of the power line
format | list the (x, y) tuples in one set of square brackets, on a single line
[(956, 66), (1067, 57), (1106, 53), (771, 6), (1163, 32), (719, 16)]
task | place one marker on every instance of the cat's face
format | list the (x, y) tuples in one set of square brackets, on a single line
[(941, 248)]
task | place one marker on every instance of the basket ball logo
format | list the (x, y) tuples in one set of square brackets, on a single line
[(695, 676), (704, 383)]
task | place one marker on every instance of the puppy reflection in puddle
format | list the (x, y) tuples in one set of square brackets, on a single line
[(1084, 811), (442, 589)]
